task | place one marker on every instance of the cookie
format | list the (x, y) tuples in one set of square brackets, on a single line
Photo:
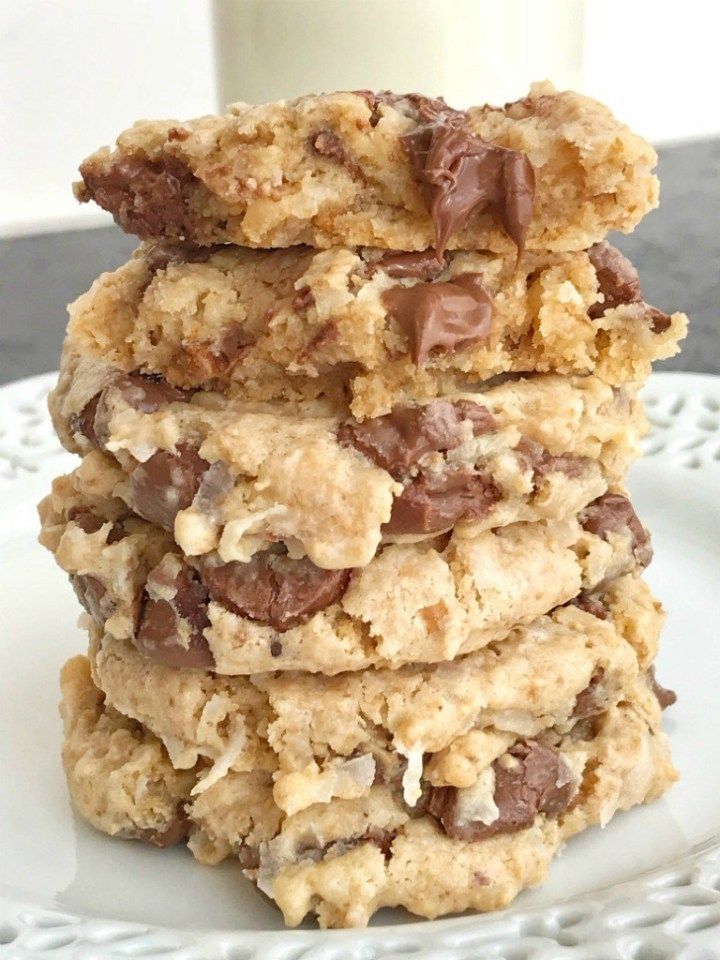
[(473, 846), (239, 478), (119, 776), (414, 602), (379, 328), (552, 171), (334, 736)]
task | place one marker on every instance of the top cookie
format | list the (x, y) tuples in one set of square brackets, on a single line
[(552, 171)]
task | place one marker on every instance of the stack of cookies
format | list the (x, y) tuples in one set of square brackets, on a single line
[(361, 576)]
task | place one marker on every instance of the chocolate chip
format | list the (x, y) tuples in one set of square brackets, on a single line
[(401, 438), (542, 462), (146, 392), (248, 856), (328, 144), (84, 518), (231, 345), (460, 174), (303, 300), (658, 321), (423, 265), (617, 278), (84, 422), (165, 484), (276, 648), (326, 334), (90, 522), (310, 848), (383, 839), (93, 595), (481, 418), (665, 697), (206, 360), (587, 702), (613, 513), (539, 781), (272, 588), (175, 831), (146, 197), (159, 256), (433, 502), (171, 629), (449, 315), (593, 605)]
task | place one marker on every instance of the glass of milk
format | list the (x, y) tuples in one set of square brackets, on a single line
[(468, 51)]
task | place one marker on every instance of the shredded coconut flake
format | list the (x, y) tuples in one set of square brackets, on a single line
[(237, 541), (413, 773), (182, 756), (476, 804), (140, 787), (346, 779), (223, 763)]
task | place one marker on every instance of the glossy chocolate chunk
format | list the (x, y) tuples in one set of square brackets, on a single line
[(90, 522), (536, 780), (589, 701), (166, 483), (326, 143), (93, 595), (592, 605), (422, 265), (542, 462), (146, 197), (434, 502), (461, 174), (83, 423), (441, 316), (145, 393), (665, 697), (657, 320), (170, 629), (617, 278), (613, 513), (273, 589), (402, 437)]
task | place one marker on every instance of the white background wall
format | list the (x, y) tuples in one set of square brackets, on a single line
[(73, 73)]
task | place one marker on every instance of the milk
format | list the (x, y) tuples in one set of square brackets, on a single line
[(469, 51)]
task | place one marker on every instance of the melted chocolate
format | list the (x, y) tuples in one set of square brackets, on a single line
[(446, 316)]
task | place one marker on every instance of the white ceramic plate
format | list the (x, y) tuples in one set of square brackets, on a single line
[(645, 888)]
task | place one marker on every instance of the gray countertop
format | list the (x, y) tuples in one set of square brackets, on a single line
[(676, 249)]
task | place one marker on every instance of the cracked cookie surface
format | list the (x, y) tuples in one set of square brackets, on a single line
[(414, 602), (236, 478), (552, 171), (332, 736), (475, 846), (374, 328)]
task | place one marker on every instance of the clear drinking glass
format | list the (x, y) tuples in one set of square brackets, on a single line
[(468, 51)]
